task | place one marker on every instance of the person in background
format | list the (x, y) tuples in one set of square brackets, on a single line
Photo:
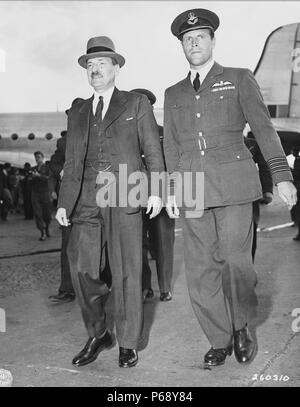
[(266, 184), (5, 197), (40, 196), (295, 211), (66, 291), (158, 238), (26, 191)]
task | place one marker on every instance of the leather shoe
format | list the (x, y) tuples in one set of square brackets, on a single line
[(216, 357), (244, 346), (92, 349), (62, 298), (128, 357), (165, 296), (43, 236), (148, 294)]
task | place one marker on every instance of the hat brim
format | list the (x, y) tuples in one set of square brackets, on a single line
[(84, 58)]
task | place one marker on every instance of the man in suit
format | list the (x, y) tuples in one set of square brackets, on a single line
[(40, 195), (204, 118), (158, 235), (107, 130)]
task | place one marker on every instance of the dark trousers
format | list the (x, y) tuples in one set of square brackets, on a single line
[(160, 242), (219, 270), (42, 208), (66, 285), (123, 234)]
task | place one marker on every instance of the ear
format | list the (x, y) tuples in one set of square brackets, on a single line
[(117, 69), (214, 42)]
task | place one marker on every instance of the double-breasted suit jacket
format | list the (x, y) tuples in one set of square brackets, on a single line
[(128, 128), (203, 132)]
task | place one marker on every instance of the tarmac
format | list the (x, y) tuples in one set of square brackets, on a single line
[(40, 338)]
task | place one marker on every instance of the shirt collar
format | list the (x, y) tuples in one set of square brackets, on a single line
[(203, 71), (107, 94)]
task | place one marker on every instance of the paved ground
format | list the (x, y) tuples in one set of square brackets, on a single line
[(41, 338)]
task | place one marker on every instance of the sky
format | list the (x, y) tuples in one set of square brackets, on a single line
[(41, 41)]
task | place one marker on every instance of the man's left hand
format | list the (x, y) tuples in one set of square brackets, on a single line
[(154, 203), (287, 193)]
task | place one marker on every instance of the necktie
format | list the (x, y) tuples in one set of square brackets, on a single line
[(196, 82), (99, 108)]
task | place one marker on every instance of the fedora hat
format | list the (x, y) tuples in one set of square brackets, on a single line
[(100, 47)]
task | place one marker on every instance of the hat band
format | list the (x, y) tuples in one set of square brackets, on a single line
[(99, 49)]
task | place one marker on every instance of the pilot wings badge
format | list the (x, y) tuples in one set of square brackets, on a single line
[(192, 18), (222, 85)]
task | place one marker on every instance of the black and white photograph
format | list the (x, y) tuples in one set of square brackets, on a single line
[(149, 197)]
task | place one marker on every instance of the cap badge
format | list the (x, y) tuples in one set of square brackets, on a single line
[(192, 18)]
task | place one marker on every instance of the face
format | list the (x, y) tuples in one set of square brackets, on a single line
[(198, 46), (39, 158), (101, 73)]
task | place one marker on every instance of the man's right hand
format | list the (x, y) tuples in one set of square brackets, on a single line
[(172, 208), (61, 217)]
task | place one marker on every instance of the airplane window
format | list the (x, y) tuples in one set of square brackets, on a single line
[(14, 136), (31, 136), (49, 136)]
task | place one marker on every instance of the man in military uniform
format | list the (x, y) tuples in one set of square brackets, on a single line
[(104, 131), (40, 195), (158, 236), (204, 118)]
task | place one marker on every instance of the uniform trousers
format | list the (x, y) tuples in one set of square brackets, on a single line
[(123, 234), (219, 270)]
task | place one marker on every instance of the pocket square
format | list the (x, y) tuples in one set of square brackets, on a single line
[(129, 118)]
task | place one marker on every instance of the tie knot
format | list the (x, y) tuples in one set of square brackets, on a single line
[(196, 82)]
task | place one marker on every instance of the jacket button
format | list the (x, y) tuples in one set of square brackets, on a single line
[(238, 157), (197, 97), (221, 97), (200, 133), (198, 114)]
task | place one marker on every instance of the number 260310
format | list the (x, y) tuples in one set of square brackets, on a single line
[(268, 377)]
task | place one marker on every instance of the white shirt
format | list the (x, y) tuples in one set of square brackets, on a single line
[(202, 70), (107, 94)]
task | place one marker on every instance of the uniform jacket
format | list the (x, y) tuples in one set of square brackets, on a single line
[(203, 132), (128, 126)]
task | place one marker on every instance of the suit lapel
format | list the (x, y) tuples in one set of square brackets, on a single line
[(84, 117), (216, 70), (116, 107), (187, 85)]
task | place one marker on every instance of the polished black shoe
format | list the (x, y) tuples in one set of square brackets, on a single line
[(128, 357), (297, 238), (165, 296), (216, 357), (148, 294), (92, 349), (62, 298), (245, 347)]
